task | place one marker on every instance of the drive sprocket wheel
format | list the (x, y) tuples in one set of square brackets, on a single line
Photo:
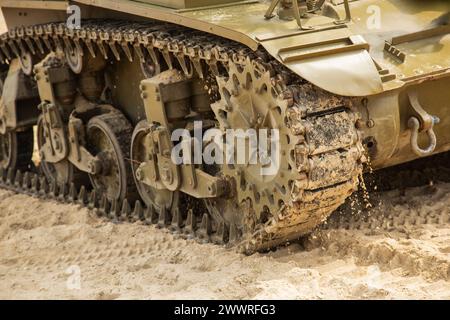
[(317, 163), (249, 101)]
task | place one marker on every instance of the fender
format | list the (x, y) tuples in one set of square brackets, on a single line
[(342, 66)]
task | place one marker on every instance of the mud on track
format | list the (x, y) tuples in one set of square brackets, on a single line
[(399, 249)]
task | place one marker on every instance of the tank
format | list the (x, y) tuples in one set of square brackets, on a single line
[(243, 123)]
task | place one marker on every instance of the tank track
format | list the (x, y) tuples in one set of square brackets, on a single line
[(328, 156)]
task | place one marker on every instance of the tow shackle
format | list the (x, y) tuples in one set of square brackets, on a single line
[(422, 122)]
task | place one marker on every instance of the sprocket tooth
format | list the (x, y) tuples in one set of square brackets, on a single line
[(82, 196), (177, 221), (138, 212), (105, 207), (163, 219), (191, 224), (72, 196), (18, 180), (43, 190), (221, 235), (125, 212), (204, 232), (150, 215)]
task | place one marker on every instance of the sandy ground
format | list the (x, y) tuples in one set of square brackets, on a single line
[(50, 250)]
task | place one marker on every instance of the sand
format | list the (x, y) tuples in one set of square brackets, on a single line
[(56, 251)]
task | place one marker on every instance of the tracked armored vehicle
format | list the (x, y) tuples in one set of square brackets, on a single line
[(343, 85)]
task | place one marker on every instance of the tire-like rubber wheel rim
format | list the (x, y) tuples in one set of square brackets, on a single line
[(109, 137)]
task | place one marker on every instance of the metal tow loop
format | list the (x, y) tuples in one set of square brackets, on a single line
[(422, 122)]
